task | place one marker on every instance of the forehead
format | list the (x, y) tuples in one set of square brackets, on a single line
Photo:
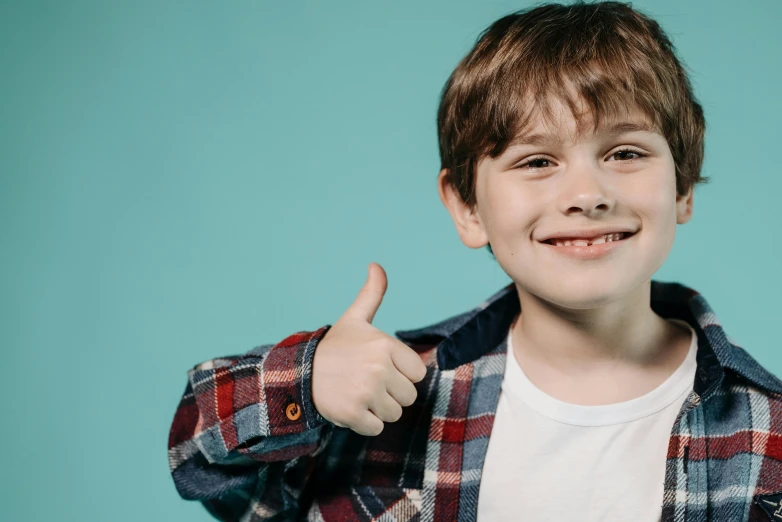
[(558, 120), (541, 134)]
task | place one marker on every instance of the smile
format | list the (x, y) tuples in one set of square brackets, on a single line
[(606, 238), (592, 248)]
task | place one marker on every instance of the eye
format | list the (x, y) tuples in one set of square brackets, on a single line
[(534, 163), (620, 155), (628, 154)]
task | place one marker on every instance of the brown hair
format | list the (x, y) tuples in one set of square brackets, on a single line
[(607, 54)]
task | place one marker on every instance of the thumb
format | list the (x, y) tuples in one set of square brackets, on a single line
[(371, 294)]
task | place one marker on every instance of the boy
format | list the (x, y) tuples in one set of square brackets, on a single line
[(571, 143)]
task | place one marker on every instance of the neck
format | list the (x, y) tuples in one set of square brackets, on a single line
[(626, 330)]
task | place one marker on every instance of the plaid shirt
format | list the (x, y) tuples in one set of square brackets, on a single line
[(247, 441)]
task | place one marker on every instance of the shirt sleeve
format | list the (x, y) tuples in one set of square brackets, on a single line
[(246, 431)]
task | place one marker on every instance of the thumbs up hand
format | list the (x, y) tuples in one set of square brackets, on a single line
[(362, 377)]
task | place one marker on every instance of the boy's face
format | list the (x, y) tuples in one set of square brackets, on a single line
[(563, 182)]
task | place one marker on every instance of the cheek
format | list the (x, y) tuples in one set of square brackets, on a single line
[(653, 195), (661, 206), (507, 210), (655, 204)]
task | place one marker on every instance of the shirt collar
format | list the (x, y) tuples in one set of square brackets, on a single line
[(463, 338)]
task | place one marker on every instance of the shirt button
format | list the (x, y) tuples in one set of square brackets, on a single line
[(293, 411)]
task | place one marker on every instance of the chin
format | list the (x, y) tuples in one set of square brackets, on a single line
[(579, 292)]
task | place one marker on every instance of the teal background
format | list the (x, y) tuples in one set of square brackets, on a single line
[(183, 180)]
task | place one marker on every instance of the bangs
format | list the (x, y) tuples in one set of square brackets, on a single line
[(592, 112)]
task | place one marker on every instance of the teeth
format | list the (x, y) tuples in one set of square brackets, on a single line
[(585, 242)]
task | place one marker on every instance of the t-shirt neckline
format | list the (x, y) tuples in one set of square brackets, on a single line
[(679, 382)]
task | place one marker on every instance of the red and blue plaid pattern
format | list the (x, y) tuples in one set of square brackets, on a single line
[(234, 447)]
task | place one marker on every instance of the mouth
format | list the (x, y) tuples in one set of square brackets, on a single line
[(586, 242), (590, 249)]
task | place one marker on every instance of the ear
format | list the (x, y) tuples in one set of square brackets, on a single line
[(684, 207), (467, 221)]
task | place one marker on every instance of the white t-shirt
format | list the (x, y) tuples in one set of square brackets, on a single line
[(549, 460)]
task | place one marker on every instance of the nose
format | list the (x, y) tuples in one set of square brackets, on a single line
[(585, 189)]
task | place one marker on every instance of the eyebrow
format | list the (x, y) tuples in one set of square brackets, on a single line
[(613, 130)]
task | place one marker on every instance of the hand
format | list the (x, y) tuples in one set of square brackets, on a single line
[(361, 376)]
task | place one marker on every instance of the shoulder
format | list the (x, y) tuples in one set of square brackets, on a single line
[(748, 400), (435, 332), (426, 339), (746, 369)]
